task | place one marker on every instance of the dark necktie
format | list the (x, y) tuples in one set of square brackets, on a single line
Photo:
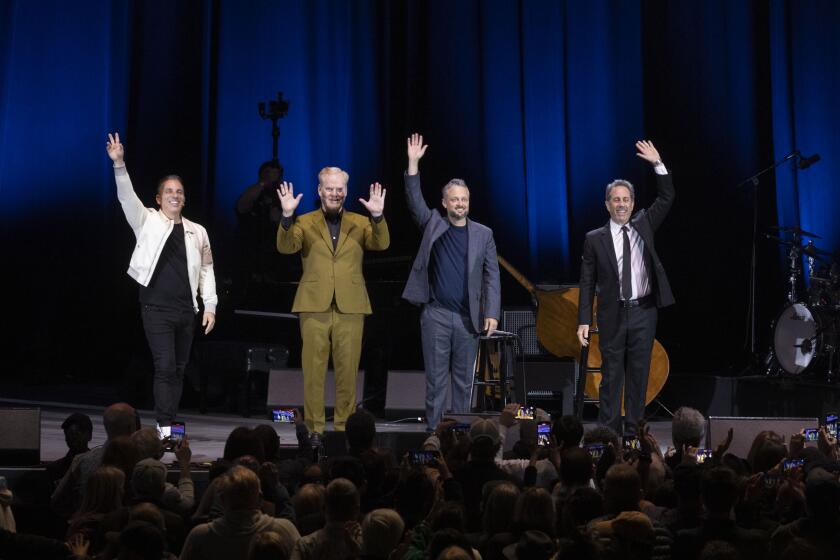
[(626, 284)]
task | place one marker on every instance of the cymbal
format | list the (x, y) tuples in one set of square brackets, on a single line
[(813, 251), (778, 240), (796, 231)]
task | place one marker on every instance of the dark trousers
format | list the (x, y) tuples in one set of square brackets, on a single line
[(625, 365), (170, 335)]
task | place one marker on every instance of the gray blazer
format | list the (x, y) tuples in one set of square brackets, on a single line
[(483, 267)]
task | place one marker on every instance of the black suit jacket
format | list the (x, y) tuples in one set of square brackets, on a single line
[(600, 268)]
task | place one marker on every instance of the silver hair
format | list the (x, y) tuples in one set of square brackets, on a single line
[(688, 427), (453, 183), (620, 183)]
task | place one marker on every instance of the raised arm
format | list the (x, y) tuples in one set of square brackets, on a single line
[(289, 234), (132, 206), (420, 212), (664, 186)]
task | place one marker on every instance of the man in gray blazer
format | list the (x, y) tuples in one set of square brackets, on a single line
[(455, 278)]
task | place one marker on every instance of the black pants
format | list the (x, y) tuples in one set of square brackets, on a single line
[(625, 365), (170, 335)]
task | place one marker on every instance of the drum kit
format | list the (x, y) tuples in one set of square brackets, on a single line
[(806, 334)]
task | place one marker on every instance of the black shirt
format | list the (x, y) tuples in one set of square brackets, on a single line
[(448, 270), (170, 283)]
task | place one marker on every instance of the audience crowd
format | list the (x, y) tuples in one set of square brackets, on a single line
[(585, 495)]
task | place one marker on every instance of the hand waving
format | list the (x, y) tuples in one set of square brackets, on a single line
[(375, 204), (647, 151), (115, 149), (288, 201), (416, 150)]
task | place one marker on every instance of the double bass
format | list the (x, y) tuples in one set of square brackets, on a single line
[(557, 321)]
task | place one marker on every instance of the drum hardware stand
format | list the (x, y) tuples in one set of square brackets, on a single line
[(752, 183)]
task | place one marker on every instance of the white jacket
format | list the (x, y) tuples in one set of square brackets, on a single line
[(152, 228)]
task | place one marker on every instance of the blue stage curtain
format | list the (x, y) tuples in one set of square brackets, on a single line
[(536, 104), (805, 55)]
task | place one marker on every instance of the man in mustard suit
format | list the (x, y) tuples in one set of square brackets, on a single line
[(331, 299)]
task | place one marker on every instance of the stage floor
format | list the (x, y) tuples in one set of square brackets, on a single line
[(207, 432)]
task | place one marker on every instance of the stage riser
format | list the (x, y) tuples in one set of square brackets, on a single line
[(20, 436)]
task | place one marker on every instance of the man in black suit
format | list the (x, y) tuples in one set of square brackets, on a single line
[(621, 260)]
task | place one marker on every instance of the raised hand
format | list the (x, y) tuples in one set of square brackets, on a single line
[(288, 201), (115, 149), (416, 150), (375, 204), (647, 151)]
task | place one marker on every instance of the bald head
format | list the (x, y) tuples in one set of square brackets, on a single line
[(120, 420)]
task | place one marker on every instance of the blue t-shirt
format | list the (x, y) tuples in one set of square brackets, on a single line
[(448, 270)]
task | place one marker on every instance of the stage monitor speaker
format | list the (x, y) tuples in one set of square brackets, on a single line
[(406, 391), (20, 437), (285, 388), (335, 443), (549, 385), (745, 429)]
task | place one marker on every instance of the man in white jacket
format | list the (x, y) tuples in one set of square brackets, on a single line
[(173, 264)]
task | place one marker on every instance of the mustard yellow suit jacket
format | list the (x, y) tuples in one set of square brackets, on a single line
[(326, 272)]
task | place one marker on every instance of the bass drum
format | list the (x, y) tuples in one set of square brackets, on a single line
[(802, 336)]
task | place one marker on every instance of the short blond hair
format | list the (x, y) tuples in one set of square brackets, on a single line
[(332, 171)]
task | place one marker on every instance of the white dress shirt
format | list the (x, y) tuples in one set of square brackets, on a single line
[(639, 278)]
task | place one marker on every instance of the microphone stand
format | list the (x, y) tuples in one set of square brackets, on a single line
[(753, 182)]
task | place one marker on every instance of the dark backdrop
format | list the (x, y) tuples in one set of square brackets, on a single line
[(536, 104)]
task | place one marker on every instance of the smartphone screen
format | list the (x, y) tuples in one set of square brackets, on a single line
[(703, 455), (831, 423), (525, 413), (632, 444), (178, 431), (595, 450), (421, 457), (544, 434), (811, 434), (790, 464), (283, 415), (460, 428)]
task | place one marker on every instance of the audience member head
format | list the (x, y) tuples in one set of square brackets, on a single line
[(414, 496), (148, 443), (719, 489), (103, 491), (448, 515), (449, 544), (764, 449), (350, 468), (801, 549), (121, 452), (78, 431), (120, 419), (148, 480), (719, 550), (148, 513), (687, 428), (499, 508), (268, 545), (485, 440), (535, 511), (622, 489), (687, 484), (270, 441), (382, 532), (603, 435), (580, 507), (243, 441), (575, 467), (240, 489), (141, 541), (822, 496), (567, 431), (341, 501), (535, 545), (313, 474), (360, 431), (309, 500)]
